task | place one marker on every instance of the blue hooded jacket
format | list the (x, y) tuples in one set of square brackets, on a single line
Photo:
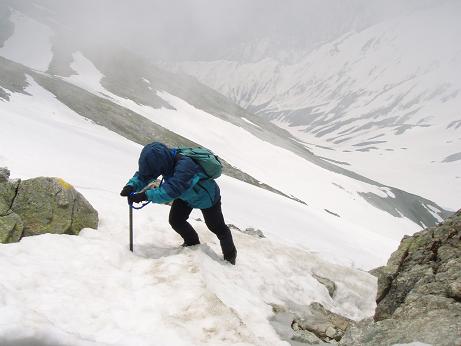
[(183, 178)]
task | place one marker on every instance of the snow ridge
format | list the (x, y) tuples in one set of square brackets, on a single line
[(388, 94)]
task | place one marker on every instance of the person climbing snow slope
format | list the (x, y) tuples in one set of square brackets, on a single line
[(185, 184)]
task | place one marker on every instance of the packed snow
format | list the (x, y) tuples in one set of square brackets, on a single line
[(30, 43), (90, 290)]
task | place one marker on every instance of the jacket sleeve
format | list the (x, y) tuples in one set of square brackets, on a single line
[(137, 182), (186, 175)]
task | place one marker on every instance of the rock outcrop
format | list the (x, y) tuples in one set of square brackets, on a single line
[(316, 320), (329, 284), (257, 233), (11, 225), (308, 325), (419, 292), (41, 205)]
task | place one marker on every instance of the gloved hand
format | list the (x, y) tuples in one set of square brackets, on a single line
[(127, 190), (137, 197)]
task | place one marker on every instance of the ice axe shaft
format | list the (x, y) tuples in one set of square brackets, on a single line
[(131, 228), (131, 206)]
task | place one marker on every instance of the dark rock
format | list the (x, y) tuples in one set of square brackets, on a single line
[(8, 191), (4, 174), (325, 324), (11, 228), (376, 271), (329, 284), (419, 292), (454, 290), (306, 337), (254, 232), (11, 225), (430, 329), (285, 324), (277, 309), (233, 227), (249, 231)]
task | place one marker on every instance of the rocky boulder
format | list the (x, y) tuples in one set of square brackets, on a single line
[(308, 325), (325, 325), (419, 292), (41, 205), (11, 225)]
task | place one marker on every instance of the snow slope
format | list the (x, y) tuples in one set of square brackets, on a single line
[(245, 146), (90, 290), (384, 100), (62, 143), (30, 43), (240, 148)]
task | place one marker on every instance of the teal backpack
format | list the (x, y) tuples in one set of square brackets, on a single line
[(205, 158)]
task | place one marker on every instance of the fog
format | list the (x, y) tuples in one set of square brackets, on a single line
[(215, 29)]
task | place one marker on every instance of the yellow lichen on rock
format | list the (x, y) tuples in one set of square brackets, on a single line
[(64, 184)]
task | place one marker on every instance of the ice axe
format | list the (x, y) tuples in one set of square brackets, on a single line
[(131, 207)]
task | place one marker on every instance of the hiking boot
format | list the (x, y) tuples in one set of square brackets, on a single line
[(231, 256)]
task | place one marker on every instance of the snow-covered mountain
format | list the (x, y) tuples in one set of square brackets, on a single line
[(383, 102), (143, 103), (90, 290), (120, 91), (83, 114)]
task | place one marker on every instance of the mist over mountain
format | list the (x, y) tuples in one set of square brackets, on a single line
[(209, 30)]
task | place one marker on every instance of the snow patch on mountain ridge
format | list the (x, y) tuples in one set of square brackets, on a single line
[(398, 82)]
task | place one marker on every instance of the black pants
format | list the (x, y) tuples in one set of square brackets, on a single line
[(214, 220)]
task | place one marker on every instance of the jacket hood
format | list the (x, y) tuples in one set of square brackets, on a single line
[(155, 159)]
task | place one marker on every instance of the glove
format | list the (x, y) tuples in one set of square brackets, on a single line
[(137, 197), (127, 190)]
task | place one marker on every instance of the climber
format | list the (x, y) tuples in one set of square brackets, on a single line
[(185, 184)]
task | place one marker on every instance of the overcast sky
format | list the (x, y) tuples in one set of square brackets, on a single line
[(212, 29)]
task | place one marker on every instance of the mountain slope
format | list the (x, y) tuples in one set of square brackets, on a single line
[(370, 101), (141, 102), (90, 290), (84, 117)]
